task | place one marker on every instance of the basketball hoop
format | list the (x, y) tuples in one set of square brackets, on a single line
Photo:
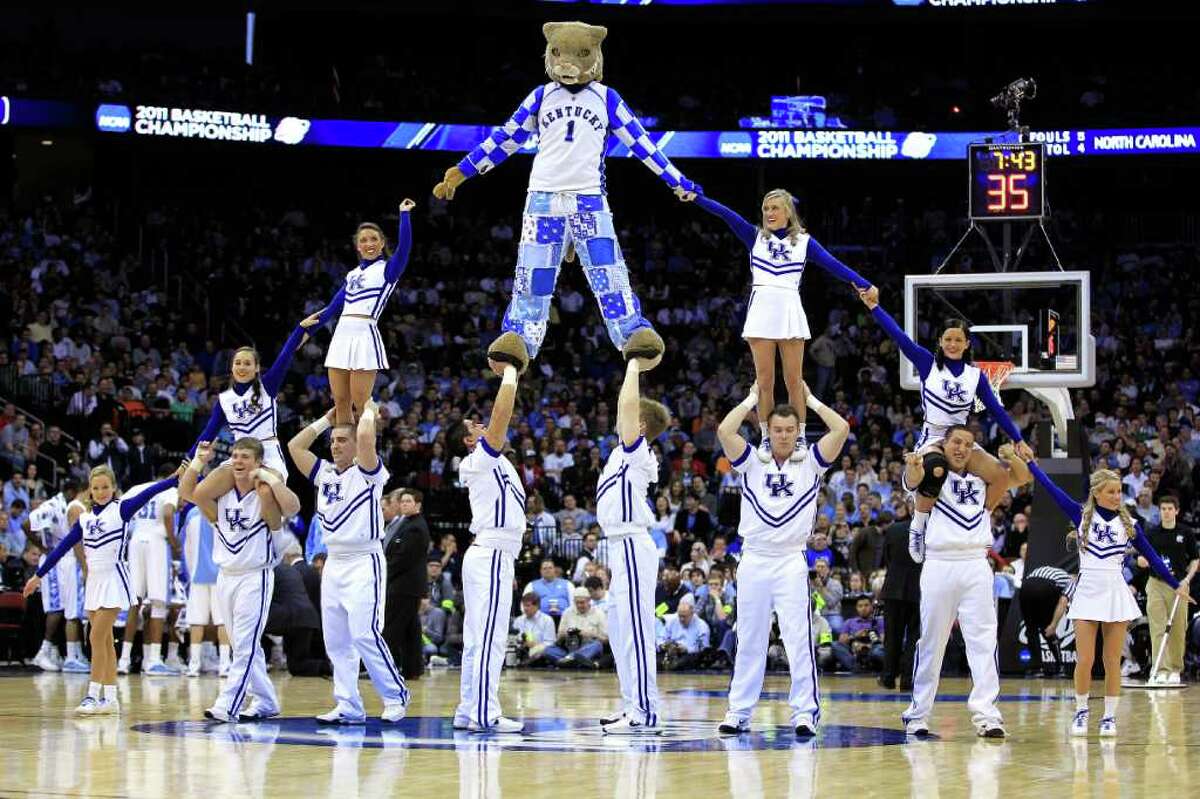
[(997, 373)]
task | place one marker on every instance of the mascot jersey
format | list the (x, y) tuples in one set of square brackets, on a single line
[(572, 126)]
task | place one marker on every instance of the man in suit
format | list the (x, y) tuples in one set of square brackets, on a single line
[(405, 547), (901, 597), (293, 616)]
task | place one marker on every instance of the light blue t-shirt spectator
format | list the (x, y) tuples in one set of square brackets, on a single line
[(554, 596), (692, 637), (314, 542)]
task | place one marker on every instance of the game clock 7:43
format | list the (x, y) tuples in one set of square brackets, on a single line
[(1007, 181)]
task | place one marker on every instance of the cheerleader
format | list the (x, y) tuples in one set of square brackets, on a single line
[(102, 529), (950, 383), (356, 352), (1101, 599), (775, 319)]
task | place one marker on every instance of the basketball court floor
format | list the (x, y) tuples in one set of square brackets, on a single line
[(161, 747)]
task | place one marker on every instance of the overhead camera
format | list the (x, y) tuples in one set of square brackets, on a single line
[(1009, 99)]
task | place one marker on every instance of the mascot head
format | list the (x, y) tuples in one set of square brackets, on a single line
[(573, 54)]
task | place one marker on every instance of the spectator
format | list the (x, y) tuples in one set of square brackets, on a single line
[(406, 551), (862, 638), (692, 524), (866, 545), (582, 634), (552, 591), (440, 587), (687, 639), (830, 590), (587, 554), (293, 616), (109, 449), (598, 590), (670, 591), (818, 549), (433, 628), (1145, 509), (536, 630)]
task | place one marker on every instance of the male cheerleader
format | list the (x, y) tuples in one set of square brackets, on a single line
[(625, 517), (246, 556), (957, 580), (62, 593), (498, 524), (779, 508), (354, 581), (151, 545)]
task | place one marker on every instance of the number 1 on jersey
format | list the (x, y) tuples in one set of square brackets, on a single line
[(570, 130)]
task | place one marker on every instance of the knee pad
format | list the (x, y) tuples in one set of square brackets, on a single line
[(158, 610), (937, 468)]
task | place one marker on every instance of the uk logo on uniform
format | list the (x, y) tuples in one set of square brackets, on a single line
[(954, 391), (1102, 532), (95, 527), (967, 493), (355, 282), (243, 409), (331, 491), (233, 518), (780, 485), (777, 249)]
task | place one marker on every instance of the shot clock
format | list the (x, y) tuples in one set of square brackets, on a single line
[(1007, 181)]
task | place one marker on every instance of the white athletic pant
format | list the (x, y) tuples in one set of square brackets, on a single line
[(353, 591), (487, 593), (244, 599), (634, 561), (963, 590), (779, 583)]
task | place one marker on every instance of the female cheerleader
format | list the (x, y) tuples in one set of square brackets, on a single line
[(950, 384), (356, 351), (102, 531), (1101, 599), (775, 319)]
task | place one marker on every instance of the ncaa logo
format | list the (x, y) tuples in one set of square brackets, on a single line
[(735, 145), (113, 118)]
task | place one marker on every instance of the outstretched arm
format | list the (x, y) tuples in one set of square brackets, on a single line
[(821, 257), (629, 131), (988, 397), (1069, 506), (735, 447), (132, 505), (215, 424), (629, 416), (56, 554), (399, 260), (1143, 545), (272, 379), (745, 231), (830, 445), (506, 139), (502, 409), (334, 308), (922, 357)]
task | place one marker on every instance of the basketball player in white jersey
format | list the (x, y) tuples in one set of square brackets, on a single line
[(779, 508), (102, 530), (202, 610), (245, 553), (775, 320), (497, 499), (152, 545), (354, 580), (1104, 530), (957, 581), (62, 592), (356, 351), (623, 510)]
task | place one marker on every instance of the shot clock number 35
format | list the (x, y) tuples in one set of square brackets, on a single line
[(1007, 181)]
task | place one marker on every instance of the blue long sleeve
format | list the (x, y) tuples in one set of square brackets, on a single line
[(334, 308), (821, 257), (273, 378), (922, 357), (216, 421), (132, 505), (64, 546), (1069, 506), (399, 260), (745, 231), (506, 139), (1143, 545), (984, 392)]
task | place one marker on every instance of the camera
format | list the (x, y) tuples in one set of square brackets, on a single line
[(1010, 97)]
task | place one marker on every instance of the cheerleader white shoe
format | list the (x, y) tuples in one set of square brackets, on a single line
[(764, 450), (88, 706), (1079, 725), (800, 452), (1108, 727)]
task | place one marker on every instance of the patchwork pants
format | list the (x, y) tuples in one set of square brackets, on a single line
[(552, 220)]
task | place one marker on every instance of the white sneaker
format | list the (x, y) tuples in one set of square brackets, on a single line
[(175, 663), (46, 662), (88, 706), (1108, 727), (76, 666), (1174, 679), (611, 718), (217, 714), (627, 726), (1079, 726), (917, 727), (500, 725), (764, 450), (193, 669), (438, 661), (732, 725), (990, 729), (461, 722), (916, 546), (800, 452), (257, 713), (393, 712), (336, 716), (1129, 668), (122, 667), (159, 669)]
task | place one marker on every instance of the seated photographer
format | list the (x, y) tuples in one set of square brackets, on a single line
[(536, 631), (713, 609), (860, 644), (582, 634), (687, 641), (433, 628)]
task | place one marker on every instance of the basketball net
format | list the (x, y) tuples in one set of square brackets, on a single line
[(997, 372)]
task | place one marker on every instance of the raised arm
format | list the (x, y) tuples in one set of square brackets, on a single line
[(502, 409), (272, 379), (820, 256), (629, 417), (629, 131), (299, 446), (216, 423), (368, 456), (496, 148), (920, 356), (745, 231), (1069, 506), (132, 505), (198, 495), (732, 443), (399, 260), (830, 445)]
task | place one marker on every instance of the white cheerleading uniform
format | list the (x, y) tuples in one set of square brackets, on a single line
[(1101, 593), (245, 554), (106, 548), (947, 400), (779, 508), (356, 342), (62, 590), (775, 311), (149, 550), (246, 419), (354, 583), (957, 584), (625, 516), (498, 524)]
